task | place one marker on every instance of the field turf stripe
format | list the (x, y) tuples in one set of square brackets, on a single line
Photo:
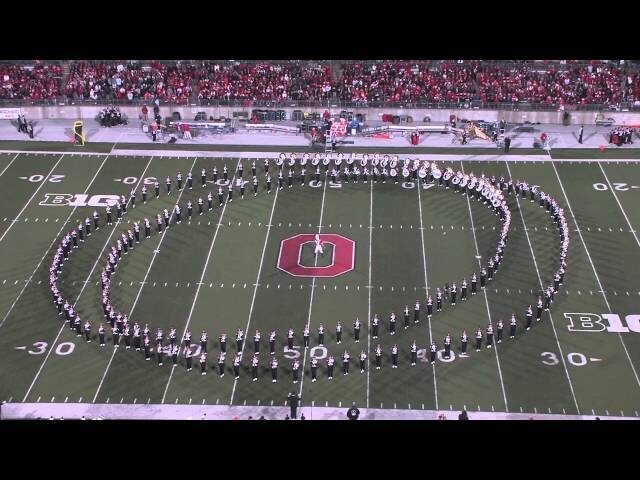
[(255, 288), (426, 286), (85, 283), (313, 283), (486, 301), (42, 184), (555, 333), (604, 295), (204, 270), (9, 164), (144, 280)]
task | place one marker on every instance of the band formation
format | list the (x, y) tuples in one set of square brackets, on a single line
[(355, 168)]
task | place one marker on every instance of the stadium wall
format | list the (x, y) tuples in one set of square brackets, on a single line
[(75, 112)]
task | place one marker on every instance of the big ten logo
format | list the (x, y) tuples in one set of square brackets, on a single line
[(611, 322), (78, 200)]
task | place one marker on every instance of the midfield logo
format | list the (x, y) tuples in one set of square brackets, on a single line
[(342, 261), (594, 322), (78, 200)]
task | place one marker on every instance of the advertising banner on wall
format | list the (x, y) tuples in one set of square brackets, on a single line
[(10, 113)]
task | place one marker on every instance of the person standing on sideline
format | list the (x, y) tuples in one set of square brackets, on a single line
[(293, 403), (353, 413), (507, 144), (580, 133)]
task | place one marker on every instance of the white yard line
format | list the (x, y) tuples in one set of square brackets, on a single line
[(486, 299), (255, 289), (426, 286), (535, 263), (86, 282), (7, 167), (604, 295), (42, 184), (204, 271), (47, 251), (369, 283), (313, 285), (615, 195), (144, 282)]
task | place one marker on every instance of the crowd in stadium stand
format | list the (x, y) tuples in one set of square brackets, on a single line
[(599, 84), (632, 89), (175, 84), (554, 83), (263, 81), (406, 82), (38, 83), (100, 81)]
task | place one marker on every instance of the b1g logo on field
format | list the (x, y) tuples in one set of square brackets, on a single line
[(593, 322), (343, 258), (78, 200)]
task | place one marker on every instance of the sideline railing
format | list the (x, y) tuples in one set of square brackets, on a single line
[(324, 104)]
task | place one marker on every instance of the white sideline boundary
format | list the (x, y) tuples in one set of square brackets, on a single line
[(497, 156), (75, 411)]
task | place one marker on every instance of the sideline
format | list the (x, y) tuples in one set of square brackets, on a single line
[(69, 411)]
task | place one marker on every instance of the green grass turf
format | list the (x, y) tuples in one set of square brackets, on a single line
[(228, 297)]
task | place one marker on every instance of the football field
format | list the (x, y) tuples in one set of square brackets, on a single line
[(220, 272)]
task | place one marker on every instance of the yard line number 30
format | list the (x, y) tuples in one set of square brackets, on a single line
[(64, 348)]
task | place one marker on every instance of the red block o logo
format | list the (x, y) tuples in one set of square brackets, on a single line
[(344, 255)]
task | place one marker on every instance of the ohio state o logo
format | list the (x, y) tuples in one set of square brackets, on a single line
[(343, 259)]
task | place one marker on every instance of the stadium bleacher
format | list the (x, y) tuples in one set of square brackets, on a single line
[(544, 83)]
